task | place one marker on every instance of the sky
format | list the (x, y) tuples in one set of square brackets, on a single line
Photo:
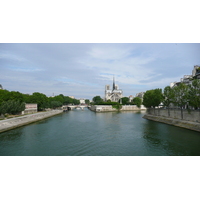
[(83, 69)]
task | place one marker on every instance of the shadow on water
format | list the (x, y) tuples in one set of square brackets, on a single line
[(11, 135), (169, 140)]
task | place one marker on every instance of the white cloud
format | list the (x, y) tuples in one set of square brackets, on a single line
[(11, 57), (108, 52)]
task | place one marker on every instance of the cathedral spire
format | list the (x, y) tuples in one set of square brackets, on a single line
[(113, 83)]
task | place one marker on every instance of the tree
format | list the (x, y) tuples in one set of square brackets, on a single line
[(181, 96), (67, 100), (87, 101), (4, 95), (153, 98), (194, 94), (59, 98), (168, 97), (41, 99), (17, 96), (137, 101), (76, 102), (125, 100), (55, 104), (97, 99), (12, 107)]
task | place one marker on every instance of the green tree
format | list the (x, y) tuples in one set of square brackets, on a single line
[(194, 94), (168, 97), (181, 96), (55, 104), (125, 100), (60, 98), (67, 100), (41, 99), (17, 96), (153, 98), (137, 101), (97, 99), (147, 98), (76, 102), (4, 95), (87, 101), (26, 98), (12, 107)]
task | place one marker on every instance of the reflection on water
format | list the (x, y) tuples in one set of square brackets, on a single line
[(172, 140), (14, 135), (103, 134)]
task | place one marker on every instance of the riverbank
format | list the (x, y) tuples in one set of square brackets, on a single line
[(12, 123), (195, 126)]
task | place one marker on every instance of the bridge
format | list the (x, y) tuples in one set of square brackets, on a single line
[(71, 107)]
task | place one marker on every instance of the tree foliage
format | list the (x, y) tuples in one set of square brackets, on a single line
[(168, 95), (125, 100), (55, 104), (97, 99), (137, 101), (181, 95), (12, 107), (40, 99), (87, 101), (194, 94), (152, 98)]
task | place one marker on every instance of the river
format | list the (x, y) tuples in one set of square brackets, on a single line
[(86, 133)]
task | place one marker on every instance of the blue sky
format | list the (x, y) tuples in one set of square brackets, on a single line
[(83, 69)]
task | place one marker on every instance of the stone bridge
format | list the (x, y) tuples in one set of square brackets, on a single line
[(71, 107)]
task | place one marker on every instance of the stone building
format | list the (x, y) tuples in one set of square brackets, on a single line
[(82, 101), (140, 95), (30, 108), (114, 94), (187, 79)]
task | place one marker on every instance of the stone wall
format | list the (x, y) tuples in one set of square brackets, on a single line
[(109, 108), (132, 107), (102, 108), (195, 126), (193, 116), (8, 124)]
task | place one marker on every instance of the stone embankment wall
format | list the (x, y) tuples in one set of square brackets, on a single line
[(109, 108), (192, 115), (191, 120), (8, 124)]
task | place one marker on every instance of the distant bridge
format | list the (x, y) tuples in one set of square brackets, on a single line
[(71, 107)]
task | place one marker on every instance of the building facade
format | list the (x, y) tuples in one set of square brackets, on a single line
[(114, 94), (187, 79), (30, 108), (82, 101), (140, 95)]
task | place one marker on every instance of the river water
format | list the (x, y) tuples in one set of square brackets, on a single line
[(86, 133)]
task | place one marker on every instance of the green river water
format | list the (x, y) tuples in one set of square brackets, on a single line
[(86, 133)]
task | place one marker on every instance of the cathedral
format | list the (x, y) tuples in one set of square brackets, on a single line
[(114, 94)]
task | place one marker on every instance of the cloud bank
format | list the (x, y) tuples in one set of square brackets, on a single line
[(82, 70)]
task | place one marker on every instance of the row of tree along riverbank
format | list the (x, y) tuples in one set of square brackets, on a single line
[(12, 102), (181, 102)]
